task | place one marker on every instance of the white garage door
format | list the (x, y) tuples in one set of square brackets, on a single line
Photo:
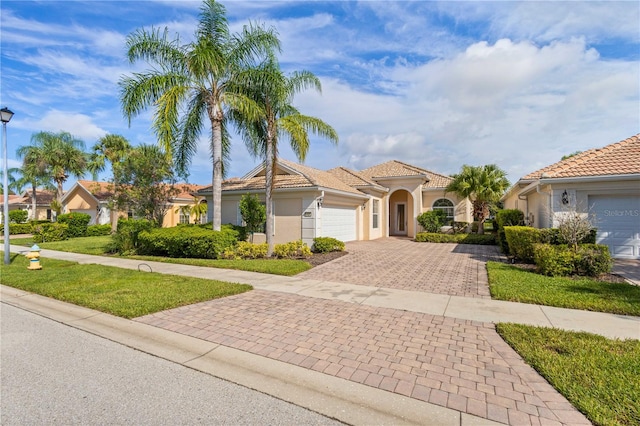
[(618, 223), (339, 222)]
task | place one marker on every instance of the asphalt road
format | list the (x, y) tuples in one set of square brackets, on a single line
[(55, 374)]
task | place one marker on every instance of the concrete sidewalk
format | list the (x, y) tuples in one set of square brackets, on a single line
[(474, 309)]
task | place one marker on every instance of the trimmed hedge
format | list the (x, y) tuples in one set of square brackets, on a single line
[(18, 216), (507, 217), (521, 240), (187, 242), (77, 223), (19, 228), (561, 260), (98, 230), (47, 232), (327, 244), (430, 237), (126, 238), (246, 250), (292, 250)]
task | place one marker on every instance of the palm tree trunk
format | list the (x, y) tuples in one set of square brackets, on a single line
[(216, 178), (34, 203), (269, 172)]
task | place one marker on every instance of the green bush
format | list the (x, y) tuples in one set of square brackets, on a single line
[(47, 232), (593, 260), (246, 250), (18, 216), (458, 227), (554, 260), (562, 260), (98, 230), (187, 242), (427, 237), (506, 217), (327, 244), (77, 223), (126, 238), (553, 236), (18, 228), (521, 240), (432, 220), (294, 250)]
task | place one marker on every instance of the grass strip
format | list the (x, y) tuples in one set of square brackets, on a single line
[(599, 376), (122, 292), (511, 283), (97, 245)]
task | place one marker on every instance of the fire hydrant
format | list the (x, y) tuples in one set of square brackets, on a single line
[(34, 257)]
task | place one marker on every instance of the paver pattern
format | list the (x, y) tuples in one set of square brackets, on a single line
[(452, 269), (454, 363)]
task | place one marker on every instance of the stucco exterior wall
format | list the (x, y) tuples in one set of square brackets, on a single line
[(461, 207), (288, 219), (80, 200)]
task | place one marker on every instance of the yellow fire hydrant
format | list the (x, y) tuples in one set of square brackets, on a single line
[(34, 257)]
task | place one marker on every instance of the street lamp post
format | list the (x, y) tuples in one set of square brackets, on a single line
[(5, 116)]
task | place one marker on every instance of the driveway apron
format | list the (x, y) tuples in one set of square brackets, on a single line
[(452, 269)]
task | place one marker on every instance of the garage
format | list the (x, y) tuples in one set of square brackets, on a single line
[(618, 223), (338, 222)]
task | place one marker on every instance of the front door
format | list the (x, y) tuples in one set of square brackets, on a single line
[(401, 219)]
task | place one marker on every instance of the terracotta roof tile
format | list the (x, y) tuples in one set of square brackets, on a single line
[(395, 168), (353, 178), (619, 158), (103, 191)]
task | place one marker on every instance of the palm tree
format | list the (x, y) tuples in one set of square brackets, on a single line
[(201, 78), (60, 154), (483, 185), (34, 172), (16, 184), (111, 148), (275, 91)]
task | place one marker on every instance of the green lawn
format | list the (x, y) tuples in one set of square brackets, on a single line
[(97, 245), (599, 376), (122, 292), (508, 282)]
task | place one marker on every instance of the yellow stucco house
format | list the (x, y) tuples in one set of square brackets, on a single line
[(349, 205), (93, 198), (25, 202), (603, 183)]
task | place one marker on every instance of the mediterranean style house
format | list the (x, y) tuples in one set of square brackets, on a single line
[(25, 202), (93, 198), (602, 183), (349, 205)]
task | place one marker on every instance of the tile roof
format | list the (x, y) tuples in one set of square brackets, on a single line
[(395, 168), (302, 177), (103, 191), (43, 197), (187, 190), (619, 158), (353, 178)]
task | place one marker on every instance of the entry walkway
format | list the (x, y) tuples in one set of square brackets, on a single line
[(359, 342)]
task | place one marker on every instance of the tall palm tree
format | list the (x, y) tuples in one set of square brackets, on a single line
[(483, 185), (274, 92), (34, 172), (61, 154), (201, 78), (16, 184), (109, 148)]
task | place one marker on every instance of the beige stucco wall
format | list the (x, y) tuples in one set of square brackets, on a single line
[(80, 200), (461, 206), (288, 219)]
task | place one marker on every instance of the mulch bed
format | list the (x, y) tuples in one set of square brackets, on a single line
[(320, 258)]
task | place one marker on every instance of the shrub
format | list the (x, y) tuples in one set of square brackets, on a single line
[(562, 260), (77, 223), (427, 237), (327, 244), (593, 260), (554, 260), (246, 250), (507, 217), (47, 232), (98, 230), (520, 240), (18, 228), (432, 220), (253, 213), (294, 249), (554, 236), (125, 240), (458, 227), (186, 242), (18, 216)]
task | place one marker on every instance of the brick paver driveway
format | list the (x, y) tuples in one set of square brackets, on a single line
[(453, 269), (454, 363)]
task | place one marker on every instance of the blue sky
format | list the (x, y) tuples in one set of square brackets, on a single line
[(434, 84)]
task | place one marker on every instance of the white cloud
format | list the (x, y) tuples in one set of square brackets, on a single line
[(79, 125)]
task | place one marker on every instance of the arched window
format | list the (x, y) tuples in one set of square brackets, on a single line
[(446, 206)]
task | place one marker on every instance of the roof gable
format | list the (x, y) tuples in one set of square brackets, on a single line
[(102, 191), (619, 158), (395, 168)]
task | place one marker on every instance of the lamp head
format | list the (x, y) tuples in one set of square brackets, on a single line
[(5, 115)]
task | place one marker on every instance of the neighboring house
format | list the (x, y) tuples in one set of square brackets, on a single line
[(186, 198), (43, 206), (345, 204), (602, 182), (90, 197), (93, 198)]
